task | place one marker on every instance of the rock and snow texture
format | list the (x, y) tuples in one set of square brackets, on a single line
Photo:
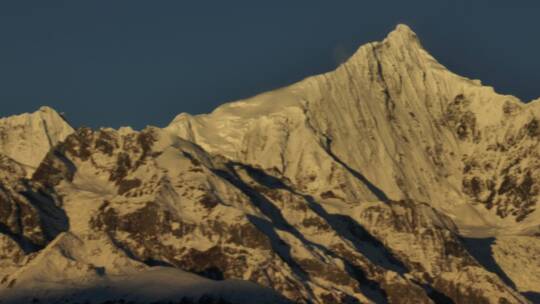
[(118, 278), (388, 180), (27, 138), (400, 121)]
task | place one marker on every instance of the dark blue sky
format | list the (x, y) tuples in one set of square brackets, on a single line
[(131, 62)]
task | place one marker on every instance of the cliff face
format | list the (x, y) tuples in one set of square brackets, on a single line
[(388, 180)]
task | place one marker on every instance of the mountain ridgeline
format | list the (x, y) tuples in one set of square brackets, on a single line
[(387, 180)]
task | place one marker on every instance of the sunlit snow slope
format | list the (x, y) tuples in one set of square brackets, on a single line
[(388, 180)]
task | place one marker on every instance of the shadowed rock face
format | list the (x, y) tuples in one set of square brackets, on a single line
[(29, 214), (379, 182)]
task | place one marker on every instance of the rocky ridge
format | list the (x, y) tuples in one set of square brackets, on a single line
[(388, 180)]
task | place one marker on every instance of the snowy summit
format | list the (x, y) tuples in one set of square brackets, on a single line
[(388, 180)]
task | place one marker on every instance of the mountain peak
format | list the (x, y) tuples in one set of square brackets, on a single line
[(47, 109), (403, 29), (28, 137), (401, 44), (402, 35), (48, 113)]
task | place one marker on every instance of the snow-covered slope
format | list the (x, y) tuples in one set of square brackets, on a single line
[(153, 285), (28, 137), (394, 115), (388, 180)]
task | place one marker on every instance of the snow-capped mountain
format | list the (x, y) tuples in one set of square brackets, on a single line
[(388, 180), (27, 138)]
